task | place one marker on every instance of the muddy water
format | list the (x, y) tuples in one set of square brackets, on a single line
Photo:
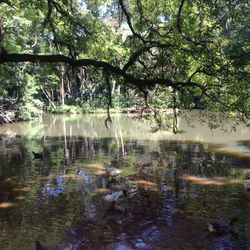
[(170, 186)]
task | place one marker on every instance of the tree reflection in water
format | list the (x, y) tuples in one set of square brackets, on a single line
[(173, 188)]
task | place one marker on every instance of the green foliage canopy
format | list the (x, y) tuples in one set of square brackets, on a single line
[(197, 50)]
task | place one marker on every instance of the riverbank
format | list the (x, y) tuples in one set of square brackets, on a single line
[(72, 109)]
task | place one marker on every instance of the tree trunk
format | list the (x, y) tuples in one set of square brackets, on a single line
[(1, 37), (62, 91), (47, 95)]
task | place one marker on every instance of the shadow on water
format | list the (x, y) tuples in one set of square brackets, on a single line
[(164, 197)]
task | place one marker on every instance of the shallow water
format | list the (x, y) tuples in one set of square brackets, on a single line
[(173, 184)]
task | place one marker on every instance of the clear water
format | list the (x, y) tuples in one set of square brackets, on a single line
[(175, 185)]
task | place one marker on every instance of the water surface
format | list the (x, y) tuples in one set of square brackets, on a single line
[(174, 185)]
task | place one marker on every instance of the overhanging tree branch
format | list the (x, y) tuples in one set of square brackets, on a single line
[(129, 21), (6, 2), (65, 14), (139, 82), (179, 28), (134, 57), (151, 42)]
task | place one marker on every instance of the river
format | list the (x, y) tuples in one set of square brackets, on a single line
[(170, 186)]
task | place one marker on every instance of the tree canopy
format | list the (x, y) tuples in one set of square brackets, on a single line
[(184, 53)]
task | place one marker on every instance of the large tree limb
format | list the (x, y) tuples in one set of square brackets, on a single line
[(139, 82)]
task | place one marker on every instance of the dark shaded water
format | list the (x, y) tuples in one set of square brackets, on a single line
[(173, 189)]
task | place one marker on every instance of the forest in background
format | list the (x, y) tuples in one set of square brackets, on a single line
[(88, 56)]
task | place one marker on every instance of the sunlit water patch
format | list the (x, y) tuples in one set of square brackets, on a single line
[(69, 197)]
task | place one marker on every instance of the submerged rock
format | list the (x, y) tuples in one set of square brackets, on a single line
[(113, 196)]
